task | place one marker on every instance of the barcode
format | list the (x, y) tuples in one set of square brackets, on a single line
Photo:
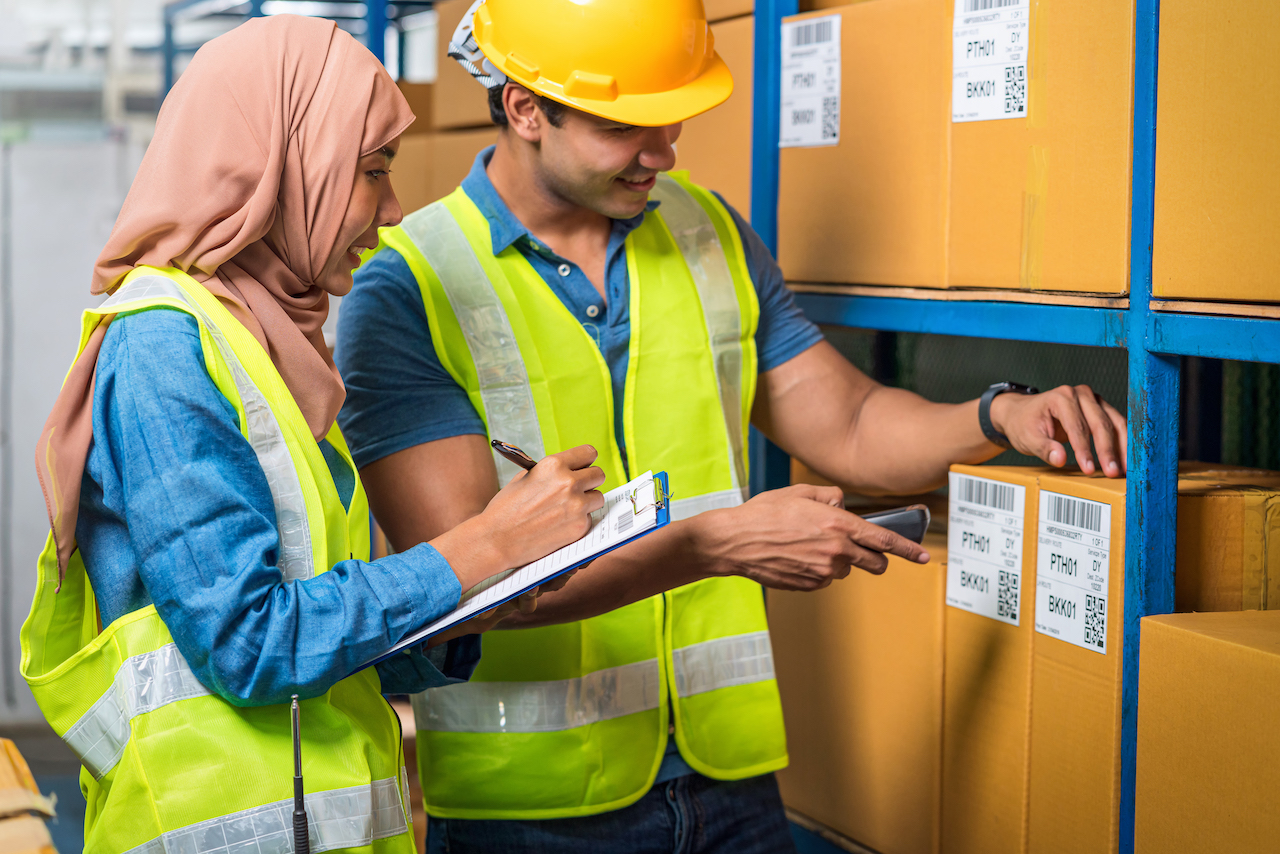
[(997, 495), (1015, 89), (1095, 621), (983, 5), (1007, 595), (815, 33), (625, 522), (830, 118), (1076, 513)]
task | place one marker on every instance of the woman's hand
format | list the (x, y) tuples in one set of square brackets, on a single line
[(538, 512)]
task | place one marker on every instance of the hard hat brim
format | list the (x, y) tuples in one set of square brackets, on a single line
[(709, 89)]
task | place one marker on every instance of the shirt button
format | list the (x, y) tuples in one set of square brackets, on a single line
[(564, 270), (593, 310)]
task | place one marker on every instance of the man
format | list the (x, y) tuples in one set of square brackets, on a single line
[(571, 292)]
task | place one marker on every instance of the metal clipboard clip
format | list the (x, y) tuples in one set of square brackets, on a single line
[(660, 496)]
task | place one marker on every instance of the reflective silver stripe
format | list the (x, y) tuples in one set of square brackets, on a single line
[(264, 433), (696, 237), (338, 818), (723, 663), (684, 508), (540, 706), (143, 684), (504, 382)]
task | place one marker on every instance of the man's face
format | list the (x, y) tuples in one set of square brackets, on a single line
[(605, 166)]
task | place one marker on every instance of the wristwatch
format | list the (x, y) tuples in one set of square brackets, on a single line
[(984, 410)]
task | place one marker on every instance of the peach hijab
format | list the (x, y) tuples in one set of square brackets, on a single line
[(244, 187)]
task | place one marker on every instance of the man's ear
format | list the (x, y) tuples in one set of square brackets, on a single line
[(523, 115)]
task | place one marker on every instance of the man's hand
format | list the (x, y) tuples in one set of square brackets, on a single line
[(798, 538), (1040, 424)]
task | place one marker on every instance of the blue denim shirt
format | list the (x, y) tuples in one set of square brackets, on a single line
[(175, 511)]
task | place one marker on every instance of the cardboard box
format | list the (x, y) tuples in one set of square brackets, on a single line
[(1076, 677), (873, 209), (718, 10), (1217, 174), (1208, 744), (987, 695), (715, 147), (860, 669), (458, 100), (419, 97), (910, 198), (22, 807), (1043, 202), (430, 166)]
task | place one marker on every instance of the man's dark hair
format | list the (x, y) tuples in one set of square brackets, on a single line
[(554, 110)]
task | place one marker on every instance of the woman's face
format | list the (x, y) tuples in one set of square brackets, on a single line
[(373, 205)]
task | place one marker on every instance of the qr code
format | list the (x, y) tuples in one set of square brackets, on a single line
[(1015, 89), (1095, 621), (830, 118), (1007, 596)]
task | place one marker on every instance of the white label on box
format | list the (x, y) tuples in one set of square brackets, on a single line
[(989, 60), (1073, 567), (984, 547), (810, 82)]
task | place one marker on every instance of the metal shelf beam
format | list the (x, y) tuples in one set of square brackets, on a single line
[(1058, 324), (1246, 339)]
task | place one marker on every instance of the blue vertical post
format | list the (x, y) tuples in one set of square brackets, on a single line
[(375, 16), (1152, 489), (255, 8), (770, 465)]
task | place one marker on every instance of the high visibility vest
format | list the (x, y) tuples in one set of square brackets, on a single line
[(167, 765), (572, 720)]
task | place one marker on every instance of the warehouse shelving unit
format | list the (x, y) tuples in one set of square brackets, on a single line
[(1156, 339), (375, 14)]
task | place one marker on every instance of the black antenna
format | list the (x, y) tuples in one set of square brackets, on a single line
[(301, 839)]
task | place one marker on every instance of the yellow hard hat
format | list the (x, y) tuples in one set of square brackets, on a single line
[(639, 62)]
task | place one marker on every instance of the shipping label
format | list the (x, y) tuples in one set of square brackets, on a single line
[(984, 546), (1073, 568), (989, 60), (810, 82)]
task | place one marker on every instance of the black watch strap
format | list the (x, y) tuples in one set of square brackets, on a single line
[(984, 410)]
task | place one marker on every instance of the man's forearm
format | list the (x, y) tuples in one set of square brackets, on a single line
[(658, 562)]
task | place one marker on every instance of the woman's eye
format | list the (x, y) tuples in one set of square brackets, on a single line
[(377, 173)]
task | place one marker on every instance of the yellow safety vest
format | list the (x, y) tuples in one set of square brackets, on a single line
[(167, 765), (572, 719)]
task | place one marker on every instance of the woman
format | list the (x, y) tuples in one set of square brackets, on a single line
[(202, 502)]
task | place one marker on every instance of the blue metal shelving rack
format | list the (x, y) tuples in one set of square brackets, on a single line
[(375, 13), (1156, 342)]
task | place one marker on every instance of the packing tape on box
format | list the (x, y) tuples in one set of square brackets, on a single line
[(1033, 210)]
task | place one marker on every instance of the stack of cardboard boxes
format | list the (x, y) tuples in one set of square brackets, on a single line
[(908, 197), (991, 725), (453, 124)]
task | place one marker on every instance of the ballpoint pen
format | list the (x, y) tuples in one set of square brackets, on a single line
[(514, 454)]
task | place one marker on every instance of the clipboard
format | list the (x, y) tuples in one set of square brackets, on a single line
[(662, 506)]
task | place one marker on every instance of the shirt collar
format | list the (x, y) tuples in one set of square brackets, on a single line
[(504, 228)]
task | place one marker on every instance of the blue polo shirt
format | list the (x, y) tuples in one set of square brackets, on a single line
[(399, 395)]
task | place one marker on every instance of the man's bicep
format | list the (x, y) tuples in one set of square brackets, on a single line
[(420, 492), (809, 404)]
